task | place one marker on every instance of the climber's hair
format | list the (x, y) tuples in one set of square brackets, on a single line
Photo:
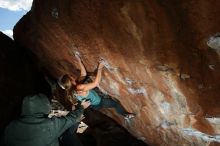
[(63, 91), (65, 82)]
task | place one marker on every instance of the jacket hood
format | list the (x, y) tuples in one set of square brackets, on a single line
[(35, 105)]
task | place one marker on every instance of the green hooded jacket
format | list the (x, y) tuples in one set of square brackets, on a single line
[(34, 128)]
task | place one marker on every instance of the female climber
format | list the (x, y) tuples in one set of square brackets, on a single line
[(85, 91)]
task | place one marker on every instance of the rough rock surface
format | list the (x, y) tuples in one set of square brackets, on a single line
[(158, 62)]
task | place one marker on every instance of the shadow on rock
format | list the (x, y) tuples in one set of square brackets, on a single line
[(104, 131)]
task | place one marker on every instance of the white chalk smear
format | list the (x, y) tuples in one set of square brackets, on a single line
[(136, 91), (198, 134)]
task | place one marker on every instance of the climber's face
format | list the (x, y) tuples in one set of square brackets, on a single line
[(73, 82)]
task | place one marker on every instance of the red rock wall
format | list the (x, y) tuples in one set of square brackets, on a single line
[(159, 64)]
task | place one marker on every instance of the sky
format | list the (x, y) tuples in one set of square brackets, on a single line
[(11, 12)]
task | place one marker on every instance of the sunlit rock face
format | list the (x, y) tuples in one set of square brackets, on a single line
[(158, 62)]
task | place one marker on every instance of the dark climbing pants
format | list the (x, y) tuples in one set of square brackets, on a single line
[(111, 103), (70, 138)]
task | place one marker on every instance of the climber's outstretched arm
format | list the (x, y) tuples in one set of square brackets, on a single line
[(83, 72), (88, 86)]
